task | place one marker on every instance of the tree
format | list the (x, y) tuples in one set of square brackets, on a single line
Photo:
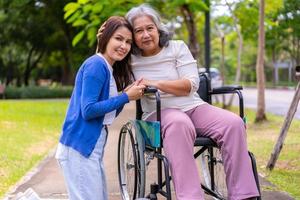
[(239, 54), (59, 42), (27, 33), (31, 35), (260, 113), (240, 46), (289, 20), (188, 10), (88, 15), (10, 51), (28, 39)]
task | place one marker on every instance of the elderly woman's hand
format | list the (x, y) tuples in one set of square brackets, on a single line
[(181, 87), (149, 83)]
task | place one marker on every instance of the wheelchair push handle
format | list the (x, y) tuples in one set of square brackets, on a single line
[(150, 90), (297, 72)]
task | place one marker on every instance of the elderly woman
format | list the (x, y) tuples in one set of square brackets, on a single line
[(169, 66)]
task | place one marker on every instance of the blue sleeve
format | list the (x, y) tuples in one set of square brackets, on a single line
[(92, 85)]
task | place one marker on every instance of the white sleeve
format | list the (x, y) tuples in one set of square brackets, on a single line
[(186, 65)]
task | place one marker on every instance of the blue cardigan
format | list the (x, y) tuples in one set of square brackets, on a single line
[(88, 105)]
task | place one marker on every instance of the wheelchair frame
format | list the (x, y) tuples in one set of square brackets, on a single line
[(205, 143)]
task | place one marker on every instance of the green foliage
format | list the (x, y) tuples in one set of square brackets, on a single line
[(273, 6), (28, 42), (289, 20), (35, 92), (53, 28), (247, 14), (78, 37), (88, 16), (194, 5), (70, 8)]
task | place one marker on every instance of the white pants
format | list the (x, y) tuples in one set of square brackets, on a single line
[(84, 177)]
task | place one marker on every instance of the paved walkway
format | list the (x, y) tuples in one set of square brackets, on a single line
[(47, 181)]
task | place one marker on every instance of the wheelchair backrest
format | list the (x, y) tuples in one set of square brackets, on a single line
[(204, 87), (203, 91)]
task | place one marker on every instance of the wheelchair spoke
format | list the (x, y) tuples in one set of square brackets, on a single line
[(130, 169), (214, 179), (126, 164)]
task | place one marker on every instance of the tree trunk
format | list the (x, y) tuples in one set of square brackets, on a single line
[(191, 26), (29, 66), (298, 52), (240, 51), (273, 69), (10, 69), (260, 75), (66, 78), (222, 64)]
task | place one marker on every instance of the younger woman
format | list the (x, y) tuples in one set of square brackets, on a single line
[(94, 104)]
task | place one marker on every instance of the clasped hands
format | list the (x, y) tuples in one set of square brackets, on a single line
[(136, 90)]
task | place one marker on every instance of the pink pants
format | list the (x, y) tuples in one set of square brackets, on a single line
[(224, 127)]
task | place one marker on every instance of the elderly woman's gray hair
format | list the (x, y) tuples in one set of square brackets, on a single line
[(142, 10)]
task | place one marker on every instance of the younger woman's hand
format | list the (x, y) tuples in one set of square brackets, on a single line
[(132, 84), (135, 91)]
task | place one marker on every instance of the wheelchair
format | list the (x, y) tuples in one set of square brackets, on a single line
[(140, 143)]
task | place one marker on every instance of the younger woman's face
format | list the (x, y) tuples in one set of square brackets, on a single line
[(119, 45)]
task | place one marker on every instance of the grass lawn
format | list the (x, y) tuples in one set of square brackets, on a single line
[(262, 138), (28, 130)]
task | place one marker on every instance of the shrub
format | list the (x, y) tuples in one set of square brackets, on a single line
[(38, 92)]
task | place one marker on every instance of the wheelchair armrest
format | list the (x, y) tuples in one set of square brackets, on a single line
[(231, 90), (226, 89)]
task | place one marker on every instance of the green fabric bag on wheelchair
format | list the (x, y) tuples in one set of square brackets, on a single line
[(150, 131)]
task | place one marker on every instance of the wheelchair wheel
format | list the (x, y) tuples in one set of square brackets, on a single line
[(131, 164), (213, 172)]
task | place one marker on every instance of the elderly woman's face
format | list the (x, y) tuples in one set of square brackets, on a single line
[(146, 35)]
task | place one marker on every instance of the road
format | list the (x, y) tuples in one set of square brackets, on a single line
[(277, 101)]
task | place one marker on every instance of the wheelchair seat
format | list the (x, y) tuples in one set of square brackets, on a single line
[(205, 141)]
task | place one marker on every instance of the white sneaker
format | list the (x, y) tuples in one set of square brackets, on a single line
[(29, 194)]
